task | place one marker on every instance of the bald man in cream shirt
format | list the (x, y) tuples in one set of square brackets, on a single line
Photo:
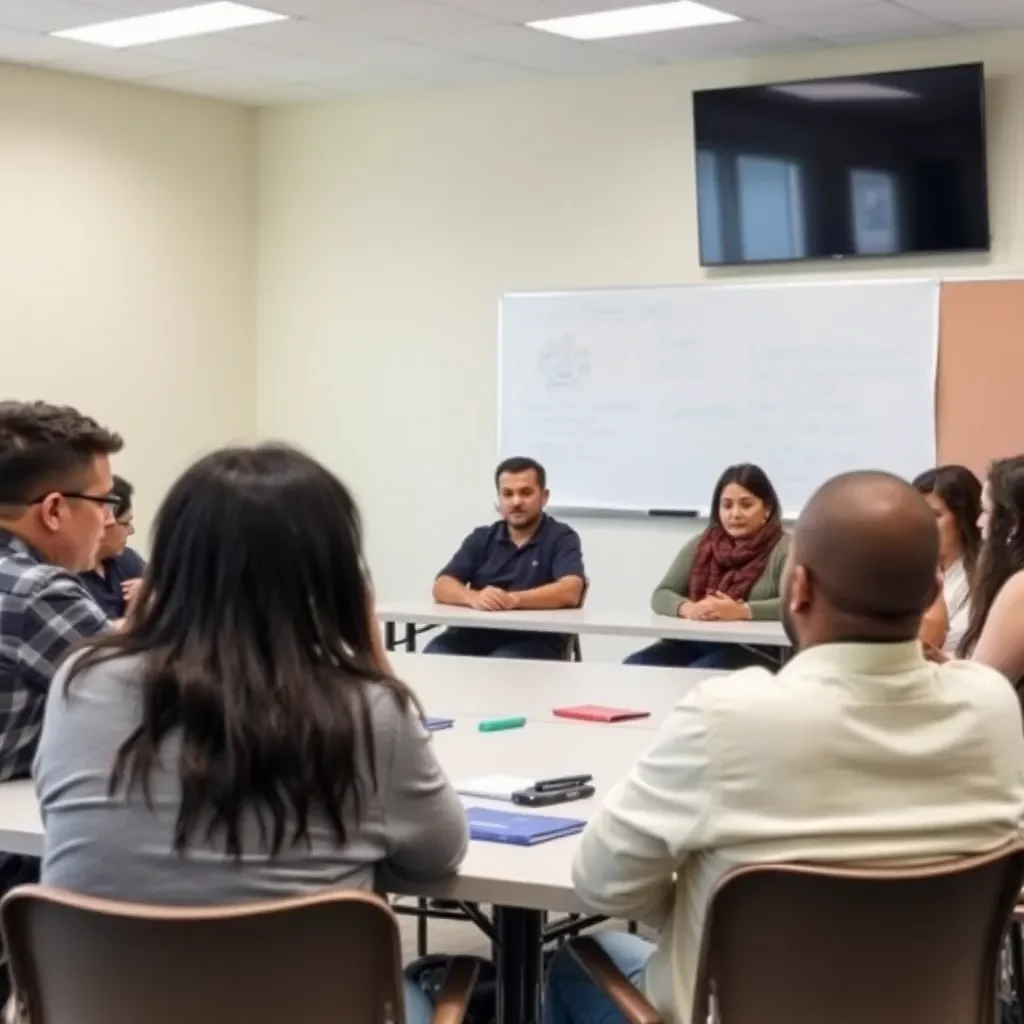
[(858, 751)]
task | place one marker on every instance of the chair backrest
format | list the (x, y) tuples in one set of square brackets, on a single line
[(791, 944), (573, 648), (326, 959)]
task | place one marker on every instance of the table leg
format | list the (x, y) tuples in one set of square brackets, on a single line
[(410, 637), (389, 636), (520, 963)]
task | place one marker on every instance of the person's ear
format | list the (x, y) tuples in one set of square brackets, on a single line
[(801, 589), (544, 498), (48, 511)]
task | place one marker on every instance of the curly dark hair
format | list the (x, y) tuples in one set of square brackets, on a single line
[(47, 447)]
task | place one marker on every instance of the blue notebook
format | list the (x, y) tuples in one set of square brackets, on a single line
[(518, 829), (437, 724)]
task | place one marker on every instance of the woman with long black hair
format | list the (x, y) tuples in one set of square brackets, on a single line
[(995, 630), (243, 738), (954, 494)]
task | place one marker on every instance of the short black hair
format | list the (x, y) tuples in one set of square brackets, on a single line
[(123, 491), (46, 448), (752, 478), (521, 464)]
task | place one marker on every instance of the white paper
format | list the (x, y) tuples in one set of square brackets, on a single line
[(494, 787)]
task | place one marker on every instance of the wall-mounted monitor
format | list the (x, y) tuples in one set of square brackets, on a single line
[(865, 165)]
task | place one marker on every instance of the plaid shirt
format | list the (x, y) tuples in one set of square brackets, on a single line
[(44, 612)]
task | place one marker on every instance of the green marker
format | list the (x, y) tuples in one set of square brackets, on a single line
[(497, 724)]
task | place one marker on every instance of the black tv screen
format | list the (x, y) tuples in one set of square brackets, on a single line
[(868, 165)]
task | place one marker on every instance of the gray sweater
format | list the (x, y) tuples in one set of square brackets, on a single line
[(413, 826)]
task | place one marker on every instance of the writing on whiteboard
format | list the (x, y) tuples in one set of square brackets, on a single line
[(638, 398)]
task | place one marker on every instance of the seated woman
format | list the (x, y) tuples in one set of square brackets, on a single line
[(243, 739), (954, 494), (733, 570), (995, 628)]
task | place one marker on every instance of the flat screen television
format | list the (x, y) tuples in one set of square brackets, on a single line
[(866, 165)]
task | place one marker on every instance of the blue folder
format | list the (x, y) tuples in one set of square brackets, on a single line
[(490, 826), (437, 724)]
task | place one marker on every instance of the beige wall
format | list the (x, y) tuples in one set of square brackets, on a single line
[(388, 226), (127, 253)]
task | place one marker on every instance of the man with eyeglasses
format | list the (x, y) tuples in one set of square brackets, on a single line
[(55, 503), (115, 579)]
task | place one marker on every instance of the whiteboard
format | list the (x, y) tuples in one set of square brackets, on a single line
[(636, 399)]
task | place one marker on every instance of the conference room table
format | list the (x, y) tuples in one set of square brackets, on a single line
[(519, 883), (415, 615)]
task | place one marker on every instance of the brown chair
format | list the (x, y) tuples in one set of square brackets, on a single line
[(573, 647), (325, 959), (796, 944)]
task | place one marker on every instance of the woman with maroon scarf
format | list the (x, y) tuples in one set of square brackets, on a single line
[(732, 571)]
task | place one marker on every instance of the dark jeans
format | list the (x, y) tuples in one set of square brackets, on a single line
[(697, 654), (497, 643)]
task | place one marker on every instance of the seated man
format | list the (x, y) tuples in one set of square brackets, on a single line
[(55, 503), (858, 751), (115, 578), (528, 561)]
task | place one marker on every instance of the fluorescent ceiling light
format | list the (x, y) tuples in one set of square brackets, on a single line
[(831, 91), (176, 24), (635, 21)]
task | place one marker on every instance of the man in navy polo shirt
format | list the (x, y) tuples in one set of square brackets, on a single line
[(526, 561)]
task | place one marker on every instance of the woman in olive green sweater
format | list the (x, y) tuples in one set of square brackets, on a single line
[(732, 571)]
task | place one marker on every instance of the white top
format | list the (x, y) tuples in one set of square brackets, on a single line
[(853, 753), (956, 593), (585, 622)]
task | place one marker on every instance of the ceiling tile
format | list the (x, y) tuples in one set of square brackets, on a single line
[(875, 21), (416, 20), (33, 48), (228, 85), (300, 35), (224, 52), (321, 10), (51, 15), (392, 56), (765, 9), (366, 81), (519, 12), (541, 51), (464, 72), (971, 12), (713, 41), (129, 64)]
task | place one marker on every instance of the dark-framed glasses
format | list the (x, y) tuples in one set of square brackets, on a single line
[(109, 501)]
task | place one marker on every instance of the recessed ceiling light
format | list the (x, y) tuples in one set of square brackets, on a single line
[(853, 91), (177, 24), (635, 21)]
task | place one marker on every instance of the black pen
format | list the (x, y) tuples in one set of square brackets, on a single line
[(565, 782)]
